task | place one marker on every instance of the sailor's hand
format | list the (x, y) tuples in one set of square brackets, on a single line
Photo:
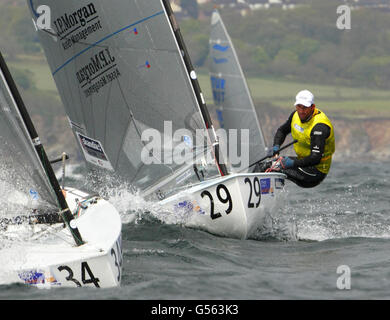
[(281, 163), (275, 165), (275, 150)]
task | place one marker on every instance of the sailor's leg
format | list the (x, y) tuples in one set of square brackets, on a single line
[(305, 177)]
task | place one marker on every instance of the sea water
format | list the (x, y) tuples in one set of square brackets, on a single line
[(331, 242)]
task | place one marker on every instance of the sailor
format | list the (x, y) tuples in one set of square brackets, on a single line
[(314, 147)]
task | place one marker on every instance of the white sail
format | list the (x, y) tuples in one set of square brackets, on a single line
[(48, 250), (122, 70), (23, 182), (235, 108), (121, 73)]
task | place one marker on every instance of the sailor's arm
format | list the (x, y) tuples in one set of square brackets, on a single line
[(283, 131), (318, 136)]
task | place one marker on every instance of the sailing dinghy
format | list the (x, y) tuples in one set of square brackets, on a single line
[(136, 109), (235, 107), (67, 238)]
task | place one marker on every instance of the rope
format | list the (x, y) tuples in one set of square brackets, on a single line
[(276, 165)]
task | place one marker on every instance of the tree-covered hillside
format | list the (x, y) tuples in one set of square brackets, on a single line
[(302, 43), (305, 43)]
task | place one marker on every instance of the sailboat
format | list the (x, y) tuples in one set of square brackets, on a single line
[(137, 111), (231, 95), (67, 237)]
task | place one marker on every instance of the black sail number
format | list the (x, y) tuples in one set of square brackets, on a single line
[(113, 254), (257, 189), (116, 253), (70, 275), (250, 204), (226, 199), (223, 197), (254, 189), (84, 269), (212, 214)]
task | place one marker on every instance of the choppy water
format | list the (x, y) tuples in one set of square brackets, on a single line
[(343, 223)]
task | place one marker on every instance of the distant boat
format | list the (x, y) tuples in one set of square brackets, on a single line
[(72, 240), (235, 108), (122, 70)]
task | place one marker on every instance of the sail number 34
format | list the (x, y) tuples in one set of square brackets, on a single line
[(87, 276)]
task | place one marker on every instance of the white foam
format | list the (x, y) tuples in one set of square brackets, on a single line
[(70, 172)]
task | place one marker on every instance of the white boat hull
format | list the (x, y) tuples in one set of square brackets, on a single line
[(233, 206), (57, 261)]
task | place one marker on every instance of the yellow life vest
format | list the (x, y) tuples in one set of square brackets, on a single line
[(301, 132)]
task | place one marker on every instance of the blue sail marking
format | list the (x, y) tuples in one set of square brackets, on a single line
[(220, 48), (218, 86), (219, 61), (220, 118)]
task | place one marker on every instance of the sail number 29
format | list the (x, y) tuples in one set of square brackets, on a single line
[(224, 197), (254, 192)]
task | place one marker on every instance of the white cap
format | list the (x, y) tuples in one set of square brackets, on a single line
[(305, 98)]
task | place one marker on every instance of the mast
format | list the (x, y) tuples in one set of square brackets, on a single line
[(65, 211), (195, 84)]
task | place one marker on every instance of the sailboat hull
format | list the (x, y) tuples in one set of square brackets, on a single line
[(233, 206), (57, 262)]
